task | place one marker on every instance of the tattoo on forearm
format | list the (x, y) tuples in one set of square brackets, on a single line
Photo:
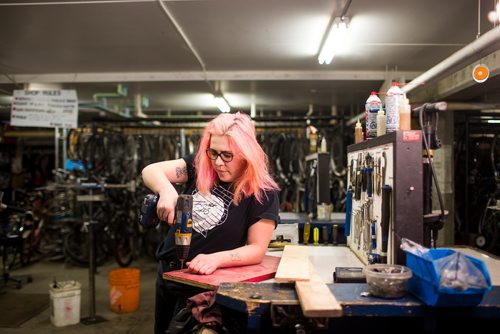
[(235, 257), (179, 171)]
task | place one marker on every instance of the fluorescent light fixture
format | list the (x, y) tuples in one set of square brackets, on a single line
[(494, 121), (334, 41), (494, 15), (221, 103)]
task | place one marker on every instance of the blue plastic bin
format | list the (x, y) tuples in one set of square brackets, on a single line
[(425, 281)]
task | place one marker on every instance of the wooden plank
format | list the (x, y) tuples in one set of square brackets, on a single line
[(294, 264), (316, 299), (253, 273)]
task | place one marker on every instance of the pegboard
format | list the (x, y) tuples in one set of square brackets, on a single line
[(393, 160)]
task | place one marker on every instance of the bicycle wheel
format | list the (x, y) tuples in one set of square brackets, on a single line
[(124, 249), (27, 247), (490, 231), (13, 250), (76, 247)]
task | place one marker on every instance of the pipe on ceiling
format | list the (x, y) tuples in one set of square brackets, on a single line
[(480, 47), (186, 40)]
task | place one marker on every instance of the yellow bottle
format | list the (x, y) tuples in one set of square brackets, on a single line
[(405, 116), (358, 133)]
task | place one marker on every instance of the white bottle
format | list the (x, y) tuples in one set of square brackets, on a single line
[(322, 146), (372, 106), (392, 106), (381, 122)]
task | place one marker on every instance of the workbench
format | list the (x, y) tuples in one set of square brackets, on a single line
[(273, 307)]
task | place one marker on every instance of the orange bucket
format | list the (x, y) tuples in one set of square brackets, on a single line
[(124, 290)]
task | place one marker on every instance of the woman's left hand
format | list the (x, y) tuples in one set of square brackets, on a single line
[(204, 264)]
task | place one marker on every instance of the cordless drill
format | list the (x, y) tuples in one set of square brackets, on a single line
[(183, 221), (183, 226)]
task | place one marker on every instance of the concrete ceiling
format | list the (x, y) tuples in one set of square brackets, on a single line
[(260, 54)]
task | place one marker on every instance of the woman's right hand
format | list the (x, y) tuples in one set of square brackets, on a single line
[(165, 209), (159, 177)]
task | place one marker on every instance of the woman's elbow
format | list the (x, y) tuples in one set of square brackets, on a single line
[(147, 171), (260, 253)]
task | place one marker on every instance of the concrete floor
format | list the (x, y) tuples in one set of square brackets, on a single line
[(43, 272)]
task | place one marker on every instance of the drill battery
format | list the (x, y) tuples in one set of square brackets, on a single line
[(148, 217)]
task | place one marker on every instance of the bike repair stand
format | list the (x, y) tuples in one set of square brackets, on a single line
[(92, 318)]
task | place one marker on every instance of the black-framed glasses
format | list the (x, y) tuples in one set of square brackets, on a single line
[(224, 155)]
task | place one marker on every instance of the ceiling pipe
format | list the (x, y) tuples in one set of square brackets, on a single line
[(187, 41), (472, 106), (479, 48)]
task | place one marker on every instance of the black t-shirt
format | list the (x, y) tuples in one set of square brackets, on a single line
[(218, 224)]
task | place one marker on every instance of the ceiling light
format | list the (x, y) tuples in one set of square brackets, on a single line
[(334, 41), (494, 121), (494, 15), (221, 103)]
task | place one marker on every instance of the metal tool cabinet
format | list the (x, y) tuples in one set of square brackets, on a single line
[(397, 162)]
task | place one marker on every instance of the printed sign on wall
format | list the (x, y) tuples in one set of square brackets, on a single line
[(45, 108)]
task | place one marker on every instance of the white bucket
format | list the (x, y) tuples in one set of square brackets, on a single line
[(65, 303)]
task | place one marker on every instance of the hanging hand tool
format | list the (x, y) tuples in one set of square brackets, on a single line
[(368, 175), (324, 235), (380, 174), (359, 180), (386, 218), (183, 226), (373, 257), (348, 212)]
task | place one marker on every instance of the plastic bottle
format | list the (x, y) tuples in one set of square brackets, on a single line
[(392, 107), (313, 143), (312, 134), (372, 106), (358, 133), (381, 122), (322, 147), (405, 116)]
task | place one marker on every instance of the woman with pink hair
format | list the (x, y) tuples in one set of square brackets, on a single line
[(235, 205)]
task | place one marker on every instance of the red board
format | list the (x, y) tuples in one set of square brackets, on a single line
[(253, 273)]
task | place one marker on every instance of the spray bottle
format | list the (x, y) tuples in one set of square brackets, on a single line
[(392, 107), (312, 135), (372, 106)]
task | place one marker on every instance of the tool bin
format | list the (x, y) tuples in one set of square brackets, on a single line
[(425, 281)]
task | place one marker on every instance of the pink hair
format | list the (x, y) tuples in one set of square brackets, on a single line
[(240, 131)]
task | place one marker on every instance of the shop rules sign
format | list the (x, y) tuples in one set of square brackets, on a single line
[(45, 108)]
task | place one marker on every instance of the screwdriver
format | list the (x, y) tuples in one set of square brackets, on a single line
[(307, 232), (316, 236)]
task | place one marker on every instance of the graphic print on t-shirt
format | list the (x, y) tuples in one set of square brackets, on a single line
[(210, 211)]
